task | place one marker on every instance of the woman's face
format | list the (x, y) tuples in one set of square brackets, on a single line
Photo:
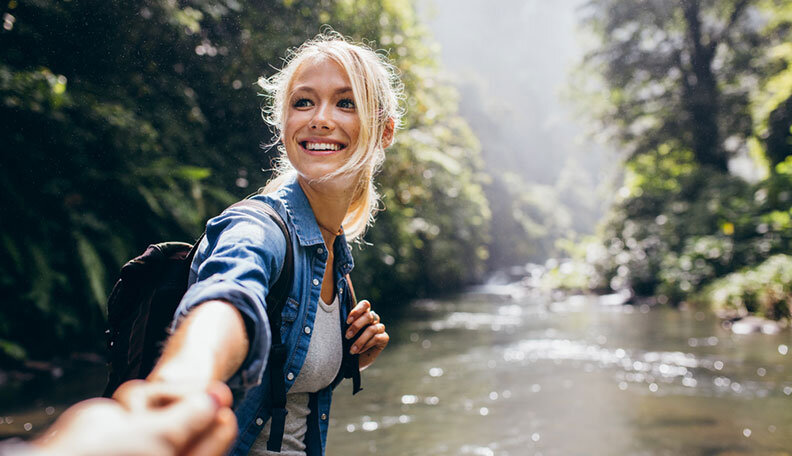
[(321, 125)]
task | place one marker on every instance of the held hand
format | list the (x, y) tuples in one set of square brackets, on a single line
[(197, 424), (373, 339)]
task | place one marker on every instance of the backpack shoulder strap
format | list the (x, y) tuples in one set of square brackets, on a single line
[(351, 363)]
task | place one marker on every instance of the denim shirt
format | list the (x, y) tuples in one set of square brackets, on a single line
[(238, 261)]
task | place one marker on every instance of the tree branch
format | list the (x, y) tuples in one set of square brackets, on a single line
[(739, 8)]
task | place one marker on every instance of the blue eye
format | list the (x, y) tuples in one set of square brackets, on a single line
[(302, 103), (346, 103)]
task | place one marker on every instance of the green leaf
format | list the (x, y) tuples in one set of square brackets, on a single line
[(12, 350), (193, 173), (94, 270)]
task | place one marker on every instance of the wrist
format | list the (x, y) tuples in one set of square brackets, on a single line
[(183, 371)]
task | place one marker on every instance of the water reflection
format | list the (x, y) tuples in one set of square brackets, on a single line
[(526, 375)]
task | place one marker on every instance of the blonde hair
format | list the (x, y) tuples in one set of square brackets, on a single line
[(376, 91)]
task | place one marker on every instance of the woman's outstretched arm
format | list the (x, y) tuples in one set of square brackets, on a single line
[(208, 346)]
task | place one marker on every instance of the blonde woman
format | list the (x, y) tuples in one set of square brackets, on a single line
[(334, 107)]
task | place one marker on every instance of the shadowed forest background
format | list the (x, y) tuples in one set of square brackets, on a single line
[(126, 123)]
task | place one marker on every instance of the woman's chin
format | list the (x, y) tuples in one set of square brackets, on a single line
[(315, 174), (323, 177)]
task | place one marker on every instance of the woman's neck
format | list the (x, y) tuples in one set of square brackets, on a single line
[(330, 202)]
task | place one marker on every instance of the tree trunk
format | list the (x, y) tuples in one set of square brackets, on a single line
[(701, 94), (779, 138)]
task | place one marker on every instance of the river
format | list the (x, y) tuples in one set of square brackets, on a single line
[(483, 374), (507, 371)]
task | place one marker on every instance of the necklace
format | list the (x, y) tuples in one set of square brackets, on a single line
[(337, 232)]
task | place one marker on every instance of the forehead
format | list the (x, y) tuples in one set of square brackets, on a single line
[(320, 72)]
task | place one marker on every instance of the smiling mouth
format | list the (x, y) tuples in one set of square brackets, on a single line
[(321, 147)]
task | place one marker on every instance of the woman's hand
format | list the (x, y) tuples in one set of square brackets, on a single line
[(373, 339)]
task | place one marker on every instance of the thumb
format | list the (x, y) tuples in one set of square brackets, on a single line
[(183, 421), (217, 439)]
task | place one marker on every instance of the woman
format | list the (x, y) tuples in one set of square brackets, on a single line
[(334, 109)]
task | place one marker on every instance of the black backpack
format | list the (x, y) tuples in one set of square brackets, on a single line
[(141, 307)]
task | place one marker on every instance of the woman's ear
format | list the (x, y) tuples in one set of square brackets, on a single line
[(387, 134)]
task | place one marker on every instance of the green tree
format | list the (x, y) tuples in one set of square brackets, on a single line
[(676, 73), (772, 104), (688, 84)]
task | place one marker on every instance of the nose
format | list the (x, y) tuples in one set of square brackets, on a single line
[(322, 119)]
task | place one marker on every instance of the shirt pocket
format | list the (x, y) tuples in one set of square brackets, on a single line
[(289, 314)]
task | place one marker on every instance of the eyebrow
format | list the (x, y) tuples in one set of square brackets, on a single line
[(312, 90)]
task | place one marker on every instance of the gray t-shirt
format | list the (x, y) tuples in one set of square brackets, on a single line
[(320, 368)]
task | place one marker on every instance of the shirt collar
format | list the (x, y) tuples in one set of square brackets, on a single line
[(305, 226), (299, 210)]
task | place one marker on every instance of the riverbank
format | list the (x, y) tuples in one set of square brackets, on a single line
[(753, 300), (33, 393)]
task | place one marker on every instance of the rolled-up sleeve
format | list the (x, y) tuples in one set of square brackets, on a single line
[(237, 262)]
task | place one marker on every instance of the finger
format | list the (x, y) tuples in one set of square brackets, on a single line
[(97, 410), (378, 341), (221, 394), (132, 395), (138, 395), (217, 439), (366, 339), (361, 308), (361, 322), (78, 426), (368, 357), (362, 339), (183, 421)]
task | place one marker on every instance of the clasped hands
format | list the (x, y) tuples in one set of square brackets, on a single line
[(168, 424)]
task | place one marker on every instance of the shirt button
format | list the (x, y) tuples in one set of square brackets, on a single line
[(316, 282), (307, 330), (324, 416), (340, 290), (259, 421), (290, 376), (320, 250)]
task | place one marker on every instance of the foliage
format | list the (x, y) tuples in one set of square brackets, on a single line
[(671, 244), (772, 105), (689, 84), (126, 123), (530, 217), (765, 289), (569, 275), (675, 73)]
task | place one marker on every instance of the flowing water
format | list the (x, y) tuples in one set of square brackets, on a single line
[(502, 371), (485, 375)]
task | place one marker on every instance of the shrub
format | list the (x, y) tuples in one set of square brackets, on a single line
[(765, 289)]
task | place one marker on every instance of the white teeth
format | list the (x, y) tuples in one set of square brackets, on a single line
[(322, 146)]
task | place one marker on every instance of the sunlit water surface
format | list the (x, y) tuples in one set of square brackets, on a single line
[(485, 375), (502, 371)]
